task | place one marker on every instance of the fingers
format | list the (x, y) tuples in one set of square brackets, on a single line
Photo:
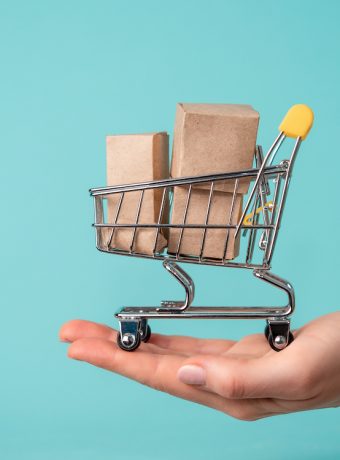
[(77, 329), (80, 329)]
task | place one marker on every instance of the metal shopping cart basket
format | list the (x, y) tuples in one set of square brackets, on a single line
[(258, 224)]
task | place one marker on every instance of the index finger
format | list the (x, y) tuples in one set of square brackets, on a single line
[(78, 329)]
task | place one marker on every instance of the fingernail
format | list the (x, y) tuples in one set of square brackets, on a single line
[(191, 375)]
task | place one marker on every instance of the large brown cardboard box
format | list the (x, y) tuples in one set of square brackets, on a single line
[(130, 159), (214, 138), (221, 213)]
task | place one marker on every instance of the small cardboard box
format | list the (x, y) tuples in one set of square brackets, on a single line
[(214, 138), (221, 213), (130, 159)]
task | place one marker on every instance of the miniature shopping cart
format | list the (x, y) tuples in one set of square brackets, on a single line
[(258, 227)]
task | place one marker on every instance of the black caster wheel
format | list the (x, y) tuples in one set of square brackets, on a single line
[(147, 335), (128, 342), (276, 344)]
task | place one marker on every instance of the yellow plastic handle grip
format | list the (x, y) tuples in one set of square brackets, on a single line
[(298, 121)]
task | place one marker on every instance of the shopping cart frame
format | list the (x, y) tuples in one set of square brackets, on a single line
[(133, 321)]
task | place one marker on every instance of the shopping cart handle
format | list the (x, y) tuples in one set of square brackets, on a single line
[(297, 122)]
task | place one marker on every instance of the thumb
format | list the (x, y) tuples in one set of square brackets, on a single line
[(239, 378)]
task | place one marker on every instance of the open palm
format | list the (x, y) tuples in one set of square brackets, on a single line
[(245, 379)]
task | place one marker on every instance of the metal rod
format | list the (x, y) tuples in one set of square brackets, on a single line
[(277, 141), (280, 283), (184, 219), (283, 199), (199, 226), (230, 220), (116, 218), (264, 191), (249, 173), (187, 259), (185, 280), (160, 217), (98, 218), (98, 210), (206, 219), (232, 312), (252, 235), (274, 152), (137, 219), (274, 212), (260, 158)]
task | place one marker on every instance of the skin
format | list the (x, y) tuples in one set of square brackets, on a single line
[(245, 379)]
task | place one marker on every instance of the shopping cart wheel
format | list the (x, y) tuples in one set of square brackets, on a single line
[(128, 342), (146, 334), (278, 341)]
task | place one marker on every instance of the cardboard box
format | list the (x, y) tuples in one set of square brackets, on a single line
[(131, 159), (220, 214), (214, 138)]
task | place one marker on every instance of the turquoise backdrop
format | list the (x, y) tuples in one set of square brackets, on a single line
[(73, 72)]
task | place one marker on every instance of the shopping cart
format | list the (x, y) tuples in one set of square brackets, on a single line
[(258, 225)]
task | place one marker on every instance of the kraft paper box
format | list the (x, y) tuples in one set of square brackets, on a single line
[(214, 138), (131, 159), (220, 214)]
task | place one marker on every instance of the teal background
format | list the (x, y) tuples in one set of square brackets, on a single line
[(73, 72)]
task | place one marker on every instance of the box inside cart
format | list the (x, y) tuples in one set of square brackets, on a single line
[(201, 208), (214, 138), (136, 158)]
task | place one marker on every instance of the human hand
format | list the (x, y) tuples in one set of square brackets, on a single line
[(245, 379)]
